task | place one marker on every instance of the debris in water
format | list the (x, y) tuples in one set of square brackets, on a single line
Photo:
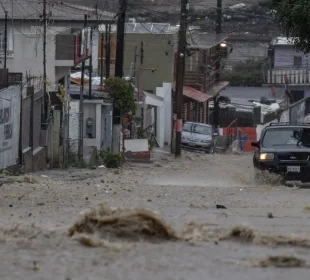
[(44, 176), (281, 262), (35, 266), (270, 215), (307, 209), (89, 241), (198, 206), (195, 232), (219, 206), (240, 233), (127, 224)]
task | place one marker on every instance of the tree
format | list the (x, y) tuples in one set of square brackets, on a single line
[(123, 95), (294, 15)]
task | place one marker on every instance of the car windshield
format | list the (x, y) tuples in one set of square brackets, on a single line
[(286, 137), (197, 128), (187, 127)]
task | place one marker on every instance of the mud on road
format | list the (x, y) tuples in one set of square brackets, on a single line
[(156, 221)]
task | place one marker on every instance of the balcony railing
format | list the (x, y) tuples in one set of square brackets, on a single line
[(293, 76)]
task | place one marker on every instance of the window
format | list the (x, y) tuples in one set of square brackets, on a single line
[(201, 129), (9, 40), (297, 61), (196, 128), (2, 42), (286, 136)]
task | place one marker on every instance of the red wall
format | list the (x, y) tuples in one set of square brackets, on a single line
[(250, 132)]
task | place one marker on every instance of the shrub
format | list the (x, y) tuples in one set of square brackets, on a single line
[(112, 160)]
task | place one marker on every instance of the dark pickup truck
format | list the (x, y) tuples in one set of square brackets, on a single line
[(284, 148)]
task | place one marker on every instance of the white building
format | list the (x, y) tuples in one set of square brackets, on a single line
[(25, 36)]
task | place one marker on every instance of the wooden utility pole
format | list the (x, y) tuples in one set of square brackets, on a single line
[(81, 109), (90, 71), (140, 71), (119, 68), (119, 60), (5, 38), (216, 108), (180, 74), (44, 58), (140, 89), (101, 57), (219, 17)]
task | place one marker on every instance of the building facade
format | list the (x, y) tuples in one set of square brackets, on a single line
[(25, 36), (288, 68), (202, 81)]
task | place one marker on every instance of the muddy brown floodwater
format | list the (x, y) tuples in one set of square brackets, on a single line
[(158, 221)]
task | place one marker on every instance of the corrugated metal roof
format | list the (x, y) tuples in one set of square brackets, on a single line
[(283, 41), (152, 28), (195, 94)]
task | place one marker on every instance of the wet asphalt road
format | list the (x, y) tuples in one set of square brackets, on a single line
[(180, 191)]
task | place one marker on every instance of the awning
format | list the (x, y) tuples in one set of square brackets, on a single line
[(195, 94), (217, 87)]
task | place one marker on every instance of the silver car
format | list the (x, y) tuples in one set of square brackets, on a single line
[(198, 136)]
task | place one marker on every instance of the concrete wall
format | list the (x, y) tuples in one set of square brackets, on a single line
[(284, 56), (164, 115), (161, 117), (9, 125), (158, 54), (96, 110), (168, 112), (74, 126)]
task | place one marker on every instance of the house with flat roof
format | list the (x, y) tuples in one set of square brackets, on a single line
[(25, 35), (288, 68)]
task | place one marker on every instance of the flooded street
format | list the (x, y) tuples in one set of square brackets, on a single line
[(176, 233)]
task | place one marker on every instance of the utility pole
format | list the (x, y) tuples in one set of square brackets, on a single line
[(81, 109), (218, 62), (119, 60), (218, 32), (44, 58), (140, 70), (180, 74), (5, 38), (119, 69), (306, 78), (90, 63), (101, 58), (219, 17), (140, 82), (108, 51)]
